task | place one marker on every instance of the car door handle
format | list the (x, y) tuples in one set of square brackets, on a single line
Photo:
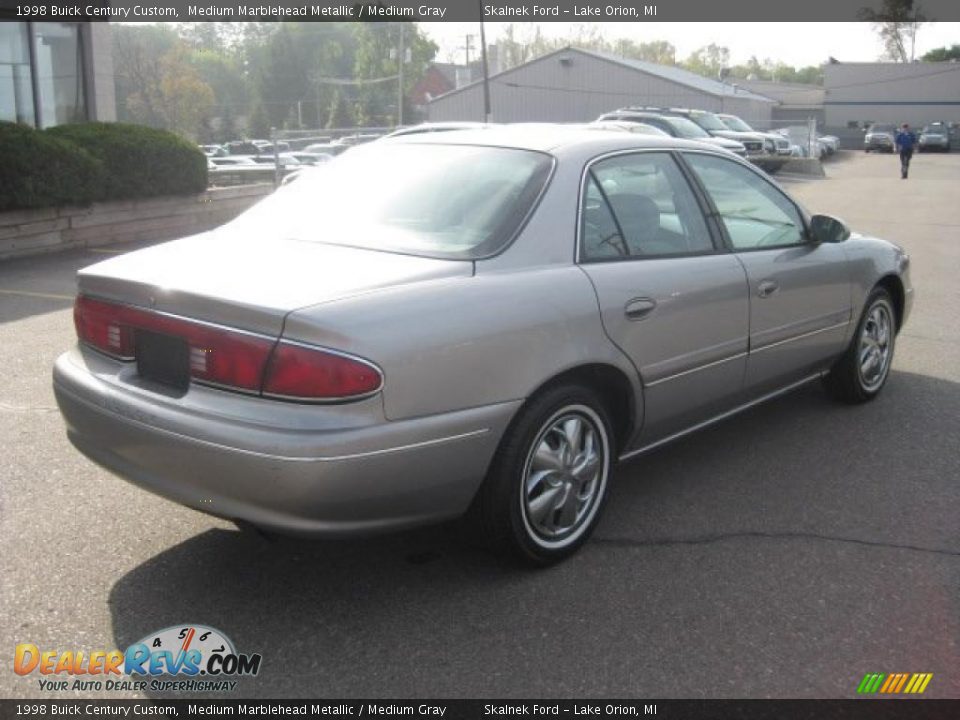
[(639, 308), (767, 288)]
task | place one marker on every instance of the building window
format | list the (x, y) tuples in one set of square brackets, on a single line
[(59, 73), (42, 73), (16, 83)]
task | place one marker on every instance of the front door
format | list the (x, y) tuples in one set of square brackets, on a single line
[(800, 306)]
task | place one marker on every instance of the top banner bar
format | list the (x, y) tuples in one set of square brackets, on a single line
[(470, 10)]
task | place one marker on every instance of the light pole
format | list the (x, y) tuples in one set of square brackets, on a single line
[(400, 59), (486, 70)]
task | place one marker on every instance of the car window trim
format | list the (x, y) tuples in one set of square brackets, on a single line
[(718, 218), (587, 172)]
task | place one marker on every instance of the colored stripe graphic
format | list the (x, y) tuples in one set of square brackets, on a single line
[(894, 683)]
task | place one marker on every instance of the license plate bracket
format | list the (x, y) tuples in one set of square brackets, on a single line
[(163, 359)]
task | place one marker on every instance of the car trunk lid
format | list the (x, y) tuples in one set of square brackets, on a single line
[(252, 284)]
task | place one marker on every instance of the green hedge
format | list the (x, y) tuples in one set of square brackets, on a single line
[(139, 161), (39, 170), (85, 162)]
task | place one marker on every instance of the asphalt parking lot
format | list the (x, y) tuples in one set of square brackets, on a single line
[(783, 553)]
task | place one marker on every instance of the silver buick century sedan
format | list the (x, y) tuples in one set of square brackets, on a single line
[(475, 324)]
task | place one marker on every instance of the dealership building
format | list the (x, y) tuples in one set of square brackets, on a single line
[(857, 94), (575, 85), (53, 73)]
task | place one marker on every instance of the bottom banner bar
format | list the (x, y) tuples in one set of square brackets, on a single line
[(892, 709)]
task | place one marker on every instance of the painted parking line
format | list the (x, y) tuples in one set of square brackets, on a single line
[(29, 293)]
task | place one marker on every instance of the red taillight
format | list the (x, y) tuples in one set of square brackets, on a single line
[(222, 357), (303, 373), (230, 358), (98, 324)]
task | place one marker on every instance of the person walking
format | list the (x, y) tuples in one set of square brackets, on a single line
[(905, 140)]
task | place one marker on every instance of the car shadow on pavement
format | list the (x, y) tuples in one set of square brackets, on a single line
[(423, 613)]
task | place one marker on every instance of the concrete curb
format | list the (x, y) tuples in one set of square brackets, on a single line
[(808, 167)]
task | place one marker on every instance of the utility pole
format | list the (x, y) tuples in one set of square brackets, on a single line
[(400, 59), (486, 70), (467, 47)]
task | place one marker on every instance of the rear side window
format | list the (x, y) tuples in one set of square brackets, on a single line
[(640, 206)]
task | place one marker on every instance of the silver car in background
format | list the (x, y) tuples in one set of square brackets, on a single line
[(474, 324)]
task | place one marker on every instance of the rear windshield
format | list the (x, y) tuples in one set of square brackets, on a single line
[(882, 128), (443, 201)]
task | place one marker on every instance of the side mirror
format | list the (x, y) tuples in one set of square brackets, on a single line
[(827, 229)]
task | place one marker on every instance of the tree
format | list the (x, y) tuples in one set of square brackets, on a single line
[(137, 54), (656, 51), (187, 101), (708, 60), (897, 24), (943, 54), (377, 64)]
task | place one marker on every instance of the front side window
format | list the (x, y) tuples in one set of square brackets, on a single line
[(754, 213), (640, 206)]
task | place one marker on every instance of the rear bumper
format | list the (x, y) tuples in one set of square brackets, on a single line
[(327, 482)]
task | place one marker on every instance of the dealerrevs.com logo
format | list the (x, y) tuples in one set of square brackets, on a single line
[(181, 658)]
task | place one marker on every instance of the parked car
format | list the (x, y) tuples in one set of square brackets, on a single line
[(935, 136), (830, 143), (779, 144), (356, 139), (476, 322), (233, 160), (282, 159), (879, 137), (213, 150), (677, 127), (436, 127), (755, 143), (309, 158), (241, 147), (627, 126), (326, 149)]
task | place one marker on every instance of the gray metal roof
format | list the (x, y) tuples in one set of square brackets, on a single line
[(666, 72), (679, 76)]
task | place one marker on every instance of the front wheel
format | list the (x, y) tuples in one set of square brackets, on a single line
[(548, 482), (862, 371)]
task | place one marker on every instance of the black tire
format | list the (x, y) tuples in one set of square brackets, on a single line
[(501, 512), (847, 380)]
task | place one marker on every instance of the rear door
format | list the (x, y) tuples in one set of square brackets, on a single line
[(673, 301), (800, 306)]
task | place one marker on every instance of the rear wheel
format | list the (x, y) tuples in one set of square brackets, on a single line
[(862, 371), (548, 482)]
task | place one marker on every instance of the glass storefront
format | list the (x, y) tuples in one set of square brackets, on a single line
[(41, 73), (16, 82)]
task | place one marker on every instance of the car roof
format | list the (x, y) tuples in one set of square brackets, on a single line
[(549, 138)]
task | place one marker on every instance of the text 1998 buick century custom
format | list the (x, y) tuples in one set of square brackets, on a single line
[(475, 323)]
